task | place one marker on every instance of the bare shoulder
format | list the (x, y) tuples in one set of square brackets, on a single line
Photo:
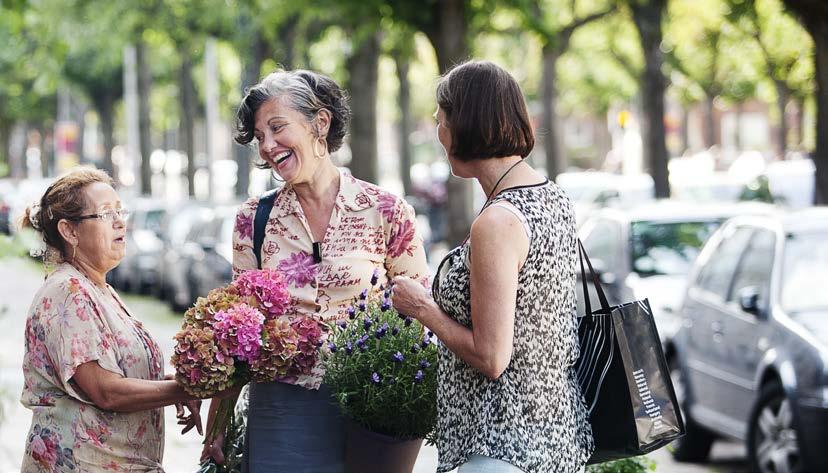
[(497, 225)]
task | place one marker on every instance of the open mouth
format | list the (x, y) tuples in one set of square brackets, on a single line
[(119, 240), (282, 157)]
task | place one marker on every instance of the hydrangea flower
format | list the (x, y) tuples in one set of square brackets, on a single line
[(238, 331), (268, 287)]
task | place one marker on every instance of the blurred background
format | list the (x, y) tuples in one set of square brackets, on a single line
[(662, 120)]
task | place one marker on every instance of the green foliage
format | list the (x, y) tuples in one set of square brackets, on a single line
[(602, 66), (382, 370), (627, 465), (712, 56)]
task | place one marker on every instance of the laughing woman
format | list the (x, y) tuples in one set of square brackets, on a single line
[(328, 233)]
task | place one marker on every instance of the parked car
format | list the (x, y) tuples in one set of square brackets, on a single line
[(647, 251), (139, 270), (211, 262), (591, 191), (750, 361), (174, 286)]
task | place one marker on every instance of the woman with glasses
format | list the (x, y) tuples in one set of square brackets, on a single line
[(93, 375)]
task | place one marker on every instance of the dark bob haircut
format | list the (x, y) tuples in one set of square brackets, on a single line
[(307, 92), (486, 112)]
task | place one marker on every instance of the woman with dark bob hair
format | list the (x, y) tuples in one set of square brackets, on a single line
[(503, 302), (93, 375), (330, 235)]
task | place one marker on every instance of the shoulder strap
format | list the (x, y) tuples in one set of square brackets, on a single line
[(259, 223)]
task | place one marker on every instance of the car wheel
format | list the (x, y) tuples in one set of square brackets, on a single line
[(773, 445), (694, 446)]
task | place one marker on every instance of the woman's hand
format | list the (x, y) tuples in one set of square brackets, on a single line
[(193, 419), (214, 448), (410, 297)]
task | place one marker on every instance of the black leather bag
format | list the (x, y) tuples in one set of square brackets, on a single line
[(624, 377)]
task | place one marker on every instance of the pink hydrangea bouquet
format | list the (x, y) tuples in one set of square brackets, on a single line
[(238, 333)]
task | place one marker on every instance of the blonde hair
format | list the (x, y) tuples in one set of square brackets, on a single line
[(64, 199)]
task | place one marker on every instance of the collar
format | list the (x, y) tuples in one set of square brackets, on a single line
[(354, 195)]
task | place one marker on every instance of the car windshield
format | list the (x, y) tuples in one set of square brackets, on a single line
[(804, 272), (668, 248)]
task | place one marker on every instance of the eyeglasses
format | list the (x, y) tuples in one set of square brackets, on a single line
[(107, 215)]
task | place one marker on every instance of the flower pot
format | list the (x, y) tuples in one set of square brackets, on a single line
[(372, 452)]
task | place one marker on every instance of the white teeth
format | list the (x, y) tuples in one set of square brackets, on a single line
[(282, 156)]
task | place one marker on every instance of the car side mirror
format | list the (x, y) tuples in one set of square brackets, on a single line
[(749, 300)]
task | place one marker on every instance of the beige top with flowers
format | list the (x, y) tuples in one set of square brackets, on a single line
[(370, 229), (70, 323)]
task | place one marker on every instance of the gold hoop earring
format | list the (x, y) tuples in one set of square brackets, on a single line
[(324, 148)]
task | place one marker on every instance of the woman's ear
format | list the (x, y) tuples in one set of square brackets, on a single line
[(68, 232), (323, 122)]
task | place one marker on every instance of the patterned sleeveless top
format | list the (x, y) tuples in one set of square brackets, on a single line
[(534, 415)]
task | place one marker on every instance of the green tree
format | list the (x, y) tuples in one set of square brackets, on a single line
[(786, 52), (447, 25), (554, 22)]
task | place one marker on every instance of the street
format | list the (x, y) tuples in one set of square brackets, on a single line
[(22, 277)]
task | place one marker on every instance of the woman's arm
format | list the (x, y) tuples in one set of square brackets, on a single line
[(112, 392), (499, 246)]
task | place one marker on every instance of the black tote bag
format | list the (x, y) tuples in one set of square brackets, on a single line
[(624, 377)]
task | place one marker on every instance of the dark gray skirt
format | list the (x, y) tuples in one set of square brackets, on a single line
[(293, 429)]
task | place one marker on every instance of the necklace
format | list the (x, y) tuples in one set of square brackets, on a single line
[(494, 189), (491, 195)]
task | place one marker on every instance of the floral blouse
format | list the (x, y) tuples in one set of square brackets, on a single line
[(70, 323), (370, 229)]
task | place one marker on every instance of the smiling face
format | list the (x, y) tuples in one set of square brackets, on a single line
[(286, 141), (100, 243)]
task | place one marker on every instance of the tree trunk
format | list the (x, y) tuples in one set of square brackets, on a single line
[(5, 134), (709, 122), (363, 73), (144, 116), (685, 129), (737, 134), (783, 95), (800, 122), (818, 26), (451, 46), (105, 107), (647, 17), (288, 34), (551, 142), (187, 94), (404, 126)]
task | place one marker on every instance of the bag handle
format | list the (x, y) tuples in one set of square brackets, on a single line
[(596, 282), (260, 222)]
